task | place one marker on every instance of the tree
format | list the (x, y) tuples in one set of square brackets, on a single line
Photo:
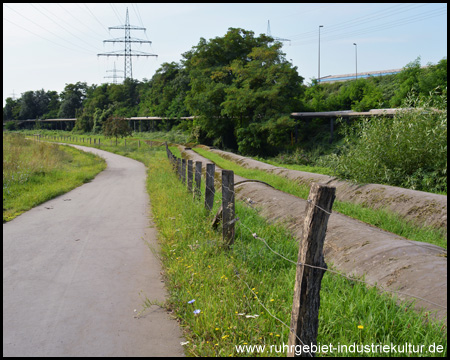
[(116, 127), (236, 81), (72, 99), (209, 67), (11, 110)]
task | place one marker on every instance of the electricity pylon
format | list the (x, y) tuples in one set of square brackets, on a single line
[(114, 76), (274, 37), (127, 53)]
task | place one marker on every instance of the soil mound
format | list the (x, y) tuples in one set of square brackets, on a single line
[(392, 262), (422, 208)]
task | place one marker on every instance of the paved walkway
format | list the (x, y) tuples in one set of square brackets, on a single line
[(77, 269)]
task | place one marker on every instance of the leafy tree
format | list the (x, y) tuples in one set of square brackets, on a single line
[(72, 99), (116, 127), (164, 95), (11, 110), (28, 106), (236, 81), (264, 89)]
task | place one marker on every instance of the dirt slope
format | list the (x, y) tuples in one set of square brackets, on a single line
[(354, 247), (422, 208)]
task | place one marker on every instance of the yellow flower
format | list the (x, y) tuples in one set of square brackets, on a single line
[(272, 299), (225, 336), (360, 327), (217, 328)]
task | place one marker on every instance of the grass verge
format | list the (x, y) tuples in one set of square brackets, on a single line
[(218, 294), (380, 218), (34, 172), (228, 287)]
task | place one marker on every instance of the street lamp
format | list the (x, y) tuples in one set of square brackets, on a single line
[(319, 53), (356, 60)]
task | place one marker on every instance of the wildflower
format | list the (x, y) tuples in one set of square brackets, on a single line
[(360, 327), (196, 312), (225, 336), (191, 302)]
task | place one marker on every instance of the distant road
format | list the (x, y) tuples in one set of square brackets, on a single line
[(77, 269)]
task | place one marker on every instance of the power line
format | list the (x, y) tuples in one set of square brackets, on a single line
[(103, 27), (88, 51), (115, 12), (42, 36), (83, 40), (384, 26), (78, 19)]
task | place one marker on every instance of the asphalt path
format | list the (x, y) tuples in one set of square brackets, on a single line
[(77, 270)]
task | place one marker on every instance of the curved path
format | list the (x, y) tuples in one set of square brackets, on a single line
[(77, 270)]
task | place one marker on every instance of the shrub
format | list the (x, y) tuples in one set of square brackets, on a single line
[(408, 150)]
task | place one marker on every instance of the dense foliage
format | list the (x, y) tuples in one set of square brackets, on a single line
[(409, 150), (242, 90)]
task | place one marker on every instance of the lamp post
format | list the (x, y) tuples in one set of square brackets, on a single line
[(318, 78), (356, 61)]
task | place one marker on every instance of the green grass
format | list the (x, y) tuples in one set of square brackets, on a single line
[(198, 267), (305, 168), (380, 218), (34, 172)]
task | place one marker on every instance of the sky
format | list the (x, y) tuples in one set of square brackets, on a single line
[(49, 45)]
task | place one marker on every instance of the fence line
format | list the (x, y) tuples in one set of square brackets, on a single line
[(318, 267)]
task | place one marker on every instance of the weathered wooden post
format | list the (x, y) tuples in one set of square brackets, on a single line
[(306, 303), (228, 207), (179, 168), (198, 180), (189, 172), (183, 171), (210, 190)]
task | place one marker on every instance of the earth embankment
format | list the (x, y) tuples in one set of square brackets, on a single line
[(417, 270), (419, 207)]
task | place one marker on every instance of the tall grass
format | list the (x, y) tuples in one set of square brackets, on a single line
[(381, 218), (225, 312), (408, 150), (34, 172)]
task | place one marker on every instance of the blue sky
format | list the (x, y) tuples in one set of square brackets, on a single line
[(46, 46)]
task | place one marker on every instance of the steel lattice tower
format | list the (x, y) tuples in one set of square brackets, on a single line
[(114, 76), (128, 53)]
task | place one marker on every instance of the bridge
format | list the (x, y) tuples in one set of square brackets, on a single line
[(68, 124)]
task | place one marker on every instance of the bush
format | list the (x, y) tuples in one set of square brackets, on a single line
[(408, 150), (11, 125)]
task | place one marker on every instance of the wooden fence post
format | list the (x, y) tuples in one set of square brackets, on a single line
[(179, 168), (189, 175), (306, 303), (198, 180), (210, 190), (183, 171), (228, 207)]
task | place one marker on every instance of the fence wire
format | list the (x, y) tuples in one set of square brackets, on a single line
[(249, 203)]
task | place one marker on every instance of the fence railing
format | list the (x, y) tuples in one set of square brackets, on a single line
[(310, 265)]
